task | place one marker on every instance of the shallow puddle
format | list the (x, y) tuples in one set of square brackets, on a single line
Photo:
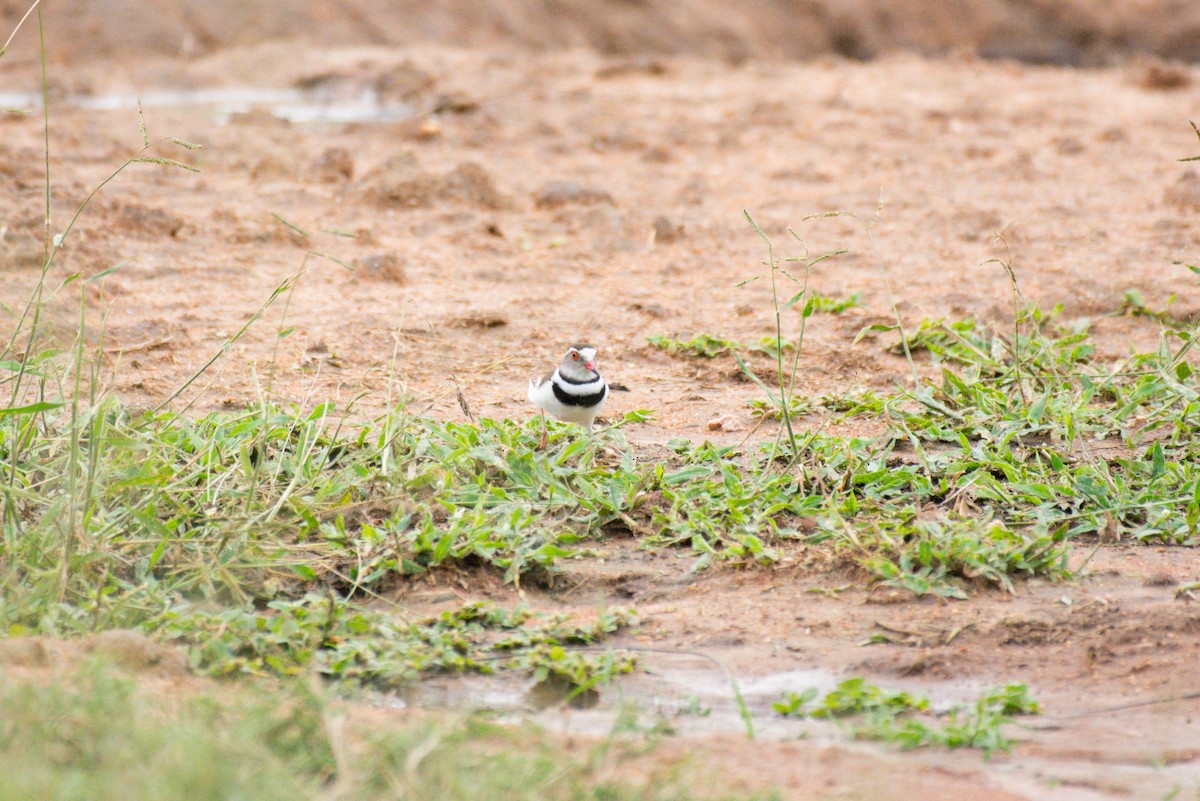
[(686, 695), (677, 691), (665, 686)]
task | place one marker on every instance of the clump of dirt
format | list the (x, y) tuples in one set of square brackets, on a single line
[(400, 182), (1156, 74), (481, 320), (26, 652), (387, 267), (129, 650), (137, 652), (130, 218), (1184, 193), (406, 82), (556, 194), (334, 166)]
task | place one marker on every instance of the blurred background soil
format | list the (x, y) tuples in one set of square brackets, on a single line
[(1064, 32)]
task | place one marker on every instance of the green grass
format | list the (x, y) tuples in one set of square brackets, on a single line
[(111, 520), (257, 537), (1022, 454), (873, 713), (93, 735)]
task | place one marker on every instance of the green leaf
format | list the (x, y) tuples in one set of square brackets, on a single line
[(443, 547), (750, 374), (1158, 461), (339, 262), (157, 553), (321, 410), (796, 299), (305, 572), (288, 224), (1039, 408), (686, 474), (755, 226), (33, 408), (871, 328)]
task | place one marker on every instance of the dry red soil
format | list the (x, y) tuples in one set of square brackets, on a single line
[(518, 196)]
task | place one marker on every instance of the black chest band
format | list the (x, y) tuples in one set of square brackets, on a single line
[(567, 399)]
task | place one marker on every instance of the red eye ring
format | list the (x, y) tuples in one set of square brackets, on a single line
[(574, 356)]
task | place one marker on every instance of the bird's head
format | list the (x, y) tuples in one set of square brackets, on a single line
[(580, 362)]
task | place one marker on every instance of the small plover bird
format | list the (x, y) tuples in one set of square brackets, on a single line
[(573, 392)]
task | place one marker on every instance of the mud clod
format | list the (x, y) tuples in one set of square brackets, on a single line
[(556, 194)]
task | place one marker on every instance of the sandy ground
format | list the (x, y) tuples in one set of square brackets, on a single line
[(496, 204)]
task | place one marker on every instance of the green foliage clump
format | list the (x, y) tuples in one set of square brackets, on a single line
[(351, 643), (823, 304), (895, 716), (703, 345)]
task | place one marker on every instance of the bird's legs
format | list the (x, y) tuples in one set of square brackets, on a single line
[(545, 435)]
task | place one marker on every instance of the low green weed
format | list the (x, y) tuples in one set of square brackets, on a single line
[(1047, 348), (1134, 304), (857, 403), (823, 304), (934, 556), (236, 503), (797, 406), (352, 643), (719, 507), (703, 345), (851, 697), (93, 736), (707, 346), (1024, 444), (894, 716)]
